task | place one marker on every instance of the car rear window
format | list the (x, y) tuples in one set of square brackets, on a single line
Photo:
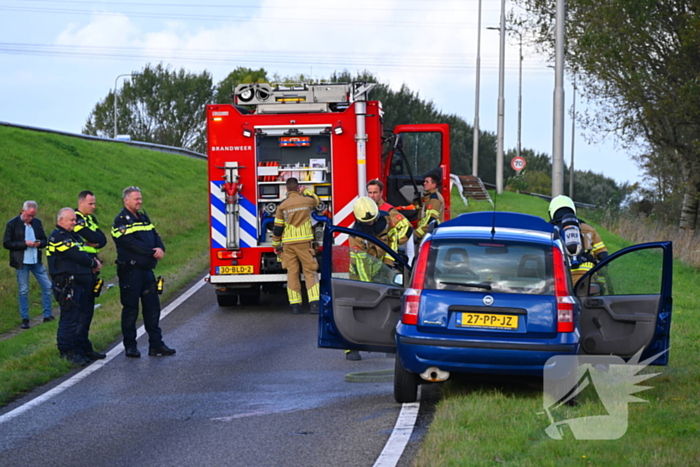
[(503, 267)]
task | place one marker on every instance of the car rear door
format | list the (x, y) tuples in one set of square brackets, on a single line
[(356, 314), (626, 303)]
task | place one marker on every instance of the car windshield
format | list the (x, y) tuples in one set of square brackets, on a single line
[(482, 265)]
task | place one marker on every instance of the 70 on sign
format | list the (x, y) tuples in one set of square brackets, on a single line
[(518, 163)]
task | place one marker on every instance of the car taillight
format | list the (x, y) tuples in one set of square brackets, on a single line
[(565, 302), (412, 295), (421, 266), (410, 306)]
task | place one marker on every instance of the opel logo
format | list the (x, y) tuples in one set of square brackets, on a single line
[(488, 300)]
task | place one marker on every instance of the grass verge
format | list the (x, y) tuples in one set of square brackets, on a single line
[(52, 170)]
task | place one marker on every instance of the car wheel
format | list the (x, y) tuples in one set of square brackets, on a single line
[(227, 300), (405, 384)]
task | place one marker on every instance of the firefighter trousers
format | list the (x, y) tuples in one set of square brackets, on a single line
[(296, 258)]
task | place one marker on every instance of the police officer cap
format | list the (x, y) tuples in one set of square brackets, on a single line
[(365, 209), (559, 202)]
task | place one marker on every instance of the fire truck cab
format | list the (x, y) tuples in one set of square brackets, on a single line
[(328, 136)]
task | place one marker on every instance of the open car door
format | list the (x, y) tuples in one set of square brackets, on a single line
[(357, 314), (419, 150), (626, 303)]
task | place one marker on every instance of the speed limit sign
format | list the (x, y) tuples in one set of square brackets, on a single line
[(518, 163)]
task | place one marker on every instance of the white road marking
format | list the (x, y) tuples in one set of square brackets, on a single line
[(400, 436), (97, 364)]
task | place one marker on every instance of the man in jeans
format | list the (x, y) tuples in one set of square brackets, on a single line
[(25, 237)]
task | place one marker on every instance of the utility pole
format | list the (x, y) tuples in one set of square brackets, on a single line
[(501, 102), (520, 90), (475, 151), (573, 136), (558, 133), (115, 99)]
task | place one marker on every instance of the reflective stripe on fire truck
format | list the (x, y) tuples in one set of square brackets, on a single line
[(248, 221), (344, 218)]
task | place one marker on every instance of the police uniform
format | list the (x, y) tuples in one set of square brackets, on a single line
[(87, 227), (433, 208), (292, 231), (135, 238), (366, 258), (70, 268)]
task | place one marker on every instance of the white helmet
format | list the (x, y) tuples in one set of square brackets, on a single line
[(365, 209)]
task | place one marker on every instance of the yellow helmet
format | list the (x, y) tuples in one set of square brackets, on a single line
[(559, 202), (365, 209)]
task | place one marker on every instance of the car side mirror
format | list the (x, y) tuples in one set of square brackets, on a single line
[(398, 279)]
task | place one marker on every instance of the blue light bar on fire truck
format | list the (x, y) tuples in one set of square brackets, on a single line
[(294, 141)]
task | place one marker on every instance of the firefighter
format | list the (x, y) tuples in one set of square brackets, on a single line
[(400, 228), (94, 240), (139, 248), (71, 269), (292, 239), (592, 251), (367, 258), (433, 206)]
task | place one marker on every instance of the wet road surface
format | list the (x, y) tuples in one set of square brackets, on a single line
[(247, 387)]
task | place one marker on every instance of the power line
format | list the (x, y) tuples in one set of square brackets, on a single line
[(444, 62), (241, 18)]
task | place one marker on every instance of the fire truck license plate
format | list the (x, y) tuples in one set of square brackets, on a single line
[(483, 320), (234, 269)]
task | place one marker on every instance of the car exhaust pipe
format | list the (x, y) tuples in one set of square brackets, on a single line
[(435, 375)]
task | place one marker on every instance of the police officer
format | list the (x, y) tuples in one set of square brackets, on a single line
[(400, 228), (139, 248), (94, 239), (71, 270), (433, 205), (367, 258), (292, 238), (593, 250)]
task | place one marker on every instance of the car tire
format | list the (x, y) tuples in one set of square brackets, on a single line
[(227, 300), (405, 384)]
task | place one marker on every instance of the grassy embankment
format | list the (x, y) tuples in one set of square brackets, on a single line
[(52, 170), (486, 424)]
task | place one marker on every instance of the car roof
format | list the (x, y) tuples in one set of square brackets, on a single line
[(497, 225)]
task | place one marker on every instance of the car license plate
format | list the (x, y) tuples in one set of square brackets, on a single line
[(234, 269), (483, 320)]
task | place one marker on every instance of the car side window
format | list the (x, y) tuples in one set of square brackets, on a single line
[(638, 272), (365, 264)]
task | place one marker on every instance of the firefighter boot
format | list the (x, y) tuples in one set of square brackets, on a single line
[(353, 355), (296, 309), (313, 307)]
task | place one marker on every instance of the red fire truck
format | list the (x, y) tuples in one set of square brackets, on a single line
[(330, 137)]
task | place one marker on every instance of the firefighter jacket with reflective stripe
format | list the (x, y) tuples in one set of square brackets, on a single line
[(67, 255), (293, 218), (433, 208), (366, 258), (593, 247), (400, 227), (135, 238), (86, 226)]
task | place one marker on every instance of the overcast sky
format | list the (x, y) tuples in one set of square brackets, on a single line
[(60, 57)]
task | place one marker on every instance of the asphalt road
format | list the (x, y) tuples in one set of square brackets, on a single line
[(247, 387)]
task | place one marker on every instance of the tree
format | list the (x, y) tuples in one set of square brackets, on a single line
[(158, 106), (639, 61)]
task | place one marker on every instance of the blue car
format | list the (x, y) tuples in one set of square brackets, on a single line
[(491, 292)]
